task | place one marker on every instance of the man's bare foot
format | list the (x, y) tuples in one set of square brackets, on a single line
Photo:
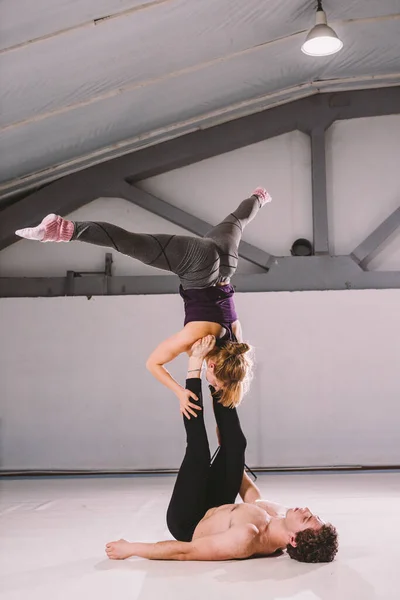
[(119, 550)]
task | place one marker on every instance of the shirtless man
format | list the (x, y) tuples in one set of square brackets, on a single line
[(202, 514)]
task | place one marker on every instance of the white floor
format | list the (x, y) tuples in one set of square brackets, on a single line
[(53, 531)]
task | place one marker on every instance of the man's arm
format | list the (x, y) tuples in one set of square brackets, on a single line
[(237, 542), (250, 494)]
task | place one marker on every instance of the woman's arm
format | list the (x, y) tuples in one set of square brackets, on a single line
[(165, 352), (171, 348), (182, 341)]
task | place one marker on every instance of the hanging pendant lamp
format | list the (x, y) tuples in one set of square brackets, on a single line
[(321, 40)]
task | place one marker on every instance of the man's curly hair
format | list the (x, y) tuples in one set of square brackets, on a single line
[(315, 546)]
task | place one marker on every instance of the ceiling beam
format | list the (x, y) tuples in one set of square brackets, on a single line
[(311, 273), (318, 110), (368, 248), (319, 193), (306, 114), (27, 183)]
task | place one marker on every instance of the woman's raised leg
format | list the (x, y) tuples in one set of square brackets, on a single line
[(228, 233), (195, 260)]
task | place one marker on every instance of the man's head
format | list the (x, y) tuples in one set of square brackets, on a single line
[(229, 370), (310, 539)]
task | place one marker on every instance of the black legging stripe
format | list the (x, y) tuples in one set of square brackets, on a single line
[(235, 256), (109, 236), (163, 248), (238, 224)]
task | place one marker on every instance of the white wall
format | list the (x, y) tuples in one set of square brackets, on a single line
[(75, 393)]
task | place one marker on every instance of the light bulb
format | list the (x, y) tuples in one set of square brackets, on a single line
[(321, 40)]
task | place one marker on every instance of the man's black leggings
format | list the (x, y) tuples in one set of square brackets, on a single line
[(200, 486)]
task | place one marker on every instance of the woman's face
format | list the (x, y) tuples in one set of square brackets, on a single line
[(212, 380)]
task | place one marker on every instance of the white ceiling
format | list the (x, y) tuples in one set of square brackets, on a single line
[(75, 92)]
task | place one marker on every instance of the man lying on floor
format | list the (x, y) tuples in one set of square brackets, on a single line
[(202, 514)]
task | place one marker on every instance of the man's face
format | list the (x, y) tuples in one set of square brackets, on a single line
[(299, 519)]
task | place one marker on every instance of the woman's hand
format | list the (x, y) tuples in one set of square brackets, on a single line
[(187, 407), (202, 347)]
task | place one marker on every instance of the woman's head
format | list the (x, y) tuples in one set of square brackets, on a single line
[(229, 371)]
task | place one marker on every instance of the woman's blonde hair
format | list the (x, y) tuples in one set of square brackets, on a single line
[(233, 368)]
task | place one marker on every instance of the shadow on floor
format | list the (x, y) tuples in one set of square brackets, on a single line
[(268, 578)]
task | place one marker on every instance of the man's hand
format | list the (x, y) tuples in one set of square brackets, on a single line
[(202, 347), (198, 352), (187, 407), (119, 550)]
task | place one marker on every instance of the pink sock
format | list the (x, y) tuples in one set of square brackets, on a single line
[(53, 228), (262, 195)]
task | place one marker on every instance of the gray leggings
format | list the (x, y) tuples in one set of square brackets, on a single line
[(198, 262)]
